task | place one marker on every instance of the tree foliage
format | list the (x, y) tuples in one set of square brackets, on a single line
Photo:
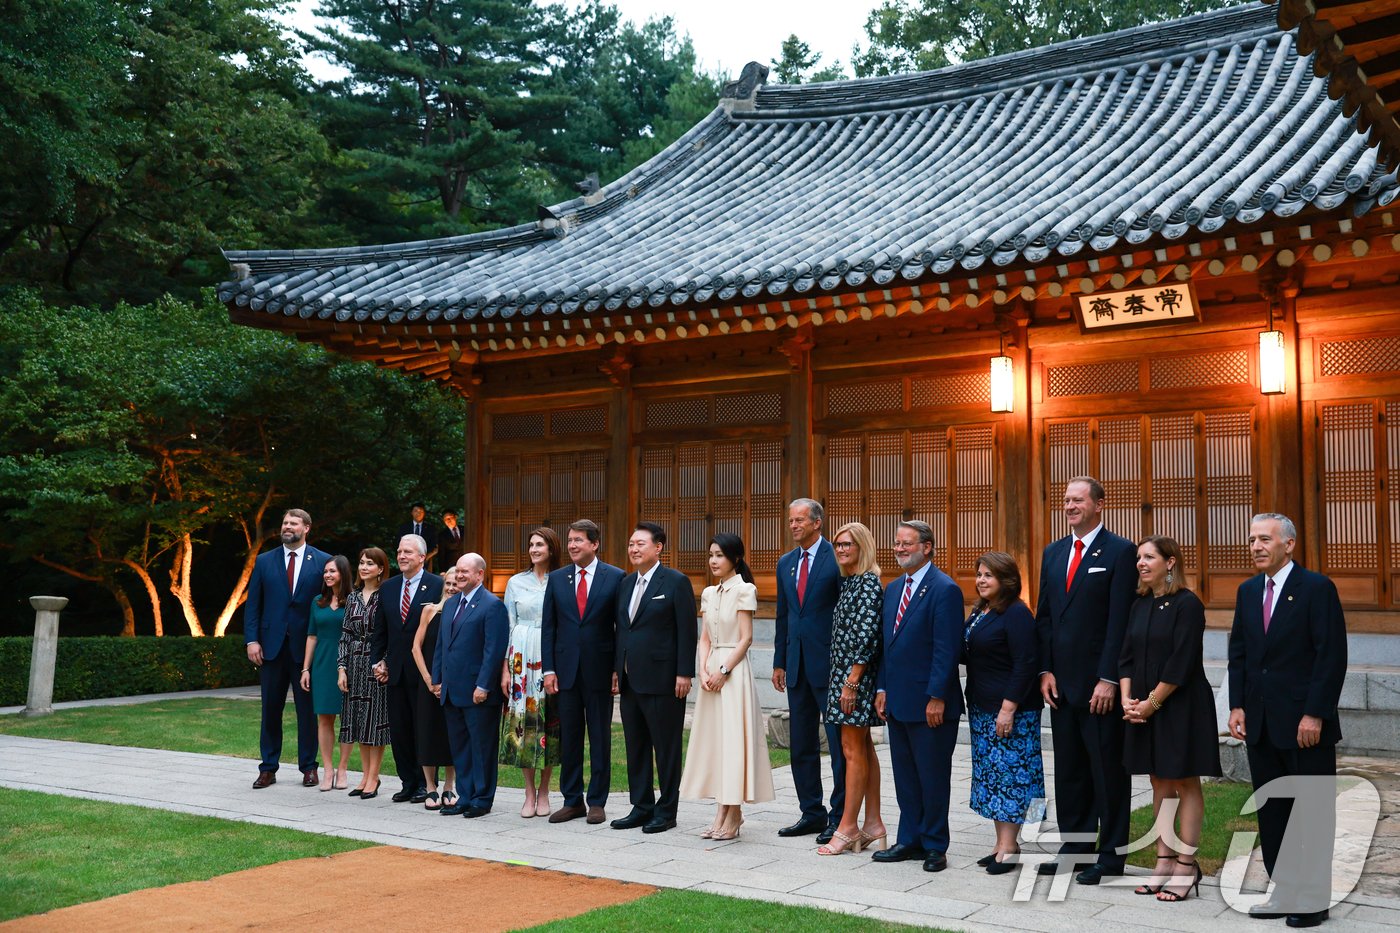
[(919, 35), (796, 62), (137, 432)]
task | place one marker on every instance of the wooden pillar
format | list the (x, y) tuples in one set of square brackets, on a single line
[(1285, 455), (465, 379), (800, 479), (1015, 505), (623, 499)]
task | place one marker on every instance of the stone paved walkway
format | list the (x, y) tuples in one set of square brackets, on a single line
[(759, 865)]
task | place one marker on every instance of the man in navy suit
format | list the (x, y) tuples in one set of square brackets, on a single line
[(401, 602), (919, 696), (471, 648), (576, 648), (275, 617), (808, 586), (656, 633), (1288, 658), (1088, 581)]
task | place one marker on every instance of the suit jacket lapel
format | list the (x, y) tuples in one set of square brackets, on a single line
[(461, 620), (1090, 559), (1283, 601), (914, 599), (309, 570)]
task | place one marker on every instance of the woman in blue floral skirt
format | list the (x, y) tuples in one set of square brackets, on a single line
[(1003, 707)]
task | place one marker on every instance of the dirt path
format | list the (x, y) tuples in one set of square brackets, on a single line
[(369, 889)]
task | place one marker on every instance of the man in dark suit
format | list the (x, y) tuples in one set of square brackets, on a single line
[(1088, 581), (1288, 658), (656, 633), (419, 525), (808, 585), (919, 696), (451, 542), (401, 602), (576, 651), (275, 617), (471, 648)]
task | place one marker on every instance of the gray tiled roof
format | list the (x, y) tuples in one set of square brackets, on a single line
[(1167, 131)]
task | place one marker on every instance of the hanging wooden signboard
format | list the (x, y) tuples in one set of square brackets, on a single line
[(1138, 307)]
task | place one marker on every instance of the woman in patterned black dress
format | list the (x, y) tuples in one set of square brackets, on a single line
[(850, 703), (365, 718), (1003, 707)]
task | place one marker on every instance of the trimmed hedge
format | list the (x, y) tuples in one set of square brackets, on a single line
[(89, 668)]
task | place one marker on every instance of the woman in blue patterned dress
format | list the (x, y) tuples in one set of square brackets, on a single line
[(1003, 707), (850, 696), (530, 728)]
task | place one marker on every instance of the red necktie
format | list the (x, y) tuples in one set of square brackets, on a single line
[(802, 579), (291, 571), (582, 593), (403, 605), (1268, 605), (903, 603), (1074, 563)]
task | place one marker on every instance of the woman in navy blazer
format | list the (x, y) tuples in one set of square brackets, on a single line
[(1000, 650)]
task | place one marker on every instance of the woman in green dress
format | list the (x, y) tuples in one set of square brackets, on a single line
[(320, 675)]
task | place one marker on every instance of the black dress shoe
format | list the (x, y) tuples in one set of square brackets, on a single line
[(457, 809), (827, 834), (1000, 868), (404, 796), (1267, 911), (986, 860), (420, 795), (356, 792), (474, 812), (899, 852), (935, 861), (1096, 873), (805, 827), (1047, 868), (1307, 920), (632, 820), (659, 824), (264, 779)]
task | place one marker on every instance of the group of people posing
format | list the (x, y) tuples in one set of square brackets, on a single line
[(1113, 648)]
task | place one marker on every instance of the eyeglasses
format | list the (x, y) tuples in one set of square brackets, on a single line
[(844, 545)]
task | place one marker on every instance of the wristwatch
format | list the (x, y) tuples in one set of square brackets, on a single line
[(724, 670)]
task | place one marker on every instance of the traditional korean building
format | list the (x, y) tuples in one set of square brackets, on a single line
[(1166, 257)]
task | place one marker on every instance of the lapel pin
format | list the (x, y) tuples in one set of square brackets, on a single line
[(1095, 554), (1290, 599)]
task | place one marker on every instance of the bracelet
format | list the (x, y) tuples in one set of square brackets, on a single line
[(306, 670), (1152, 698), (847, 683)]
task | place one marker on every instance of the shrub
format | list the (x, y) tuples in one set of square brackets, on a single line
[(89, 668)]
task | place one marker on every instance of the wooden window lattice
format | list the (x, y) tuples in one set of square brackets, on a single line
[(512, 426), (1187, 370), (591, 420), (1187, 475), (865, 397), (749, 408), (1108, 378), (1351, 513), (944, 476), (1370, 355), (968, 388), (541, 489)]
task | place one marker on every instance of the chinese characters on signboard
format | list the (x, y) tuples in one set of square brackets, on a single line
[(1158, 304)]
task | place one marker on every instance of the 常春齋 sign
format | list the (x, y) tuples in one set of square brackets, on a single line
[(1158, 304)]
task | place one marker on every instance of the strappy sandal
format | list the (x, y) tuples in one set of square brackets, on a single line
[(850, 844), (449, 798), (1172, 897), (1147, 888), (431, 803)]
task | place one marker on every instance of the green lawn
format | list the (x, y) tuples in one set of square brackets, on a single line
[(61, 851), (226, 727), (693, 910), (1222, 821)]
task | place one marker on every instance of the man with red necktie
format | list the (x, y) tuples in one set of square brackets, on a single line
[(808, 586), (284, 581), (577, 638), (1088, 581)]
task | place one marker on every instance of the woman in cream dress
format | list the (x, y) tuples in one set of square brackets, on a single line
[(728, 754)]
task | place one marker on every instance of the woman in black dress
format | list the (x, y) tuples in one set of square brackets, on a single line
[(850, 703), (429, 721), (1170, 710)]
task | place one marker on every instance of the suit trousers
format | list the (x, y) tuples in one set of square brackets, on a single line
[(473, 731), (653, 723), (922, 759), (1093, 789), (1299, 862), (807, 703), (275, 676), (594, 708), (402, 735)]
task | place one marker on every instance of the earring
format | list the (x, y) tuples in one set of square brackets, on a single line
[(1169, 576)]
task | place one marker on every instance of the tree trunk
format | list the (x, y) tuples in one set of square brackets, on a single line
[(152, 593), (239, 593), (181, 571), (106, 582)]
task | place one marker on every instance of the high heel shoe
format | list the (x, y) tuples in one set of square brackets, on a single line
[(849, 844), (721, 835), (370, 794), (1147, 888), (868, 841), (1171, 897), (341, 782)]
